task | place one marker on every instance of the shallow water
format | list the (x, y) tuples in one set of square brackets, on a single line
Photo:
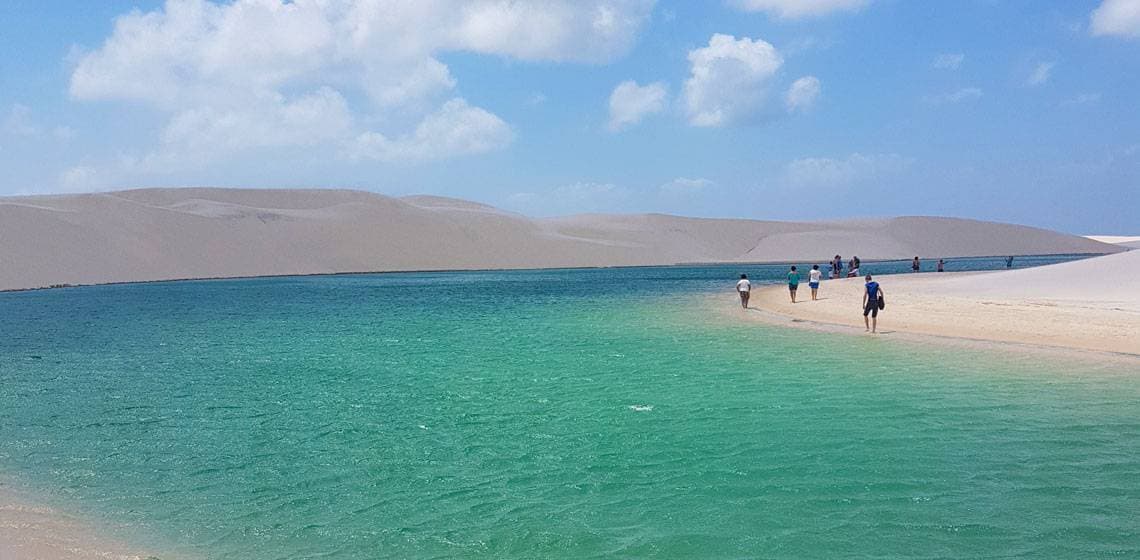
[(573, 414)]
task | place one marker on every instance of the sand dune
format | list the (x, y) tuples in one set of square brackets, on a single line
[(1091, 304), (160, 234)]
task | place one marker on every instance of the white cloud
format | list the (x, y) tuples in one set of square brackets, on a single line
[(456, 129), (1040, 74), (948, 61), (252, 74), (630, 103), (1083, 99), (685, 186), (957, 96), (275, 121), (19, 122), (729, 79), (81, 178), (803, 94), (796, 9), (1120, 18), (843, 172)]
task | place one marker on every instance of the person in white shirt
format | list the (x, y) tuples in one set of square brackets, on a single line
[(743, 287), (813, 280)]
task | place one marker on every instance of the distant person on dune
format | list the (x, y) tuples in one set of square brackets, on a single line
[(941, 266), (915, 266), (744, 287), (813, 280), (872, 303), (793, 282)]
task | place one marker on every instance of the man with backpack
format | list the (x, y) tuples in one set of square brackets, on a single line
[(872, 303)]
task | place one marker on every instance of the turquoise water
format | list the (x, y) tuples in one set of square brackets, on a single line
[(549, 414)]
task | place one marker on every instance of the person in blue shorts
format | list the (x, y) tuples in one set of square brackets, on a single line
[(872, 292), (793, 282), (813, 281)]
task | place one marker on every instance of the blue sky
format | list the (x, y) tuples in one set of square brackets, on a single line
[(1019, 111)]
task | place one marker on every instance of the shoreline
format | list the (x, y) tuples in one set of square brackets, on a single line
[(30, 530), (1002, 308), (64, 286), (775, 319)]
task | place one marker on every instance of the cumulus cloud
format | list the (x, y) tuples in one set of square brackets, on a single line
[(1040, 74), (802, 94), (843, 172), (729, 79), (630, 103), (456, 129), (261, 73), (948, 61), (272, 122), (797, 9), (954, 97), (1120, 18)]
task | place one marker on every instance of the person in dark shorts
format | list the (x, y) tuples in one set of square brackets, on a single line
[(871, 294), (941, 265), (793, 282), (915, 266), (744, 288)]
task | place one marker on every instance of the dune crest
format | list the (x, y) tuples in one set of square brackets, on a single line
[(163, 234)]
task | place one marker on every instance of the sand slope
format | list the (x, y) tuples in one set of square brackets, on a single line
[(1091, 304), (157, 234)]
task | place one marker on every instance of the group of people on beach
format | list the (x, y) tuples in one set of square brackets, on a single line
[(873, 297), (873, 300)]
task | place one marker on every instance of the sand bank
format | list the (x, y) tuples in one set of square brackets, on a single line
[(1092, 304), (33, 532)]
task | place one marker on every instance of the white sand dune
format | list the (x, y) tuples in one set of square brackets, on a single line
[(1091, 304), (161, 234)]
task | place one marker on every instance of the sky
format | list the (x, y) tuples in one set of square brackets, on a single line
[(1023, 111)]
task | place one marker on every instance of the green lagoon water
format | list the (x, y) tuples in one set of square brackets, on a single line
[(549, 414)]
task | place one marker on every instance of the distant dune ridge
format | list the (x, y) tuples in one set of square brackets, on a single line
[(163, 234)]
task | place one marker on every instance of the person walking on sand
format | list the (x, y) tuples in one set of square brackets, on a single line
[(837, 267), (872, 302), (915, 266), (941, 266), (813, 281), (744, 287), (793, 282)]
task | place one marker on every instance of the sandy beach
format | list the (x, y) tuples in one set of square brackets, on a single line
[(1091, 304), (29, 531)]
